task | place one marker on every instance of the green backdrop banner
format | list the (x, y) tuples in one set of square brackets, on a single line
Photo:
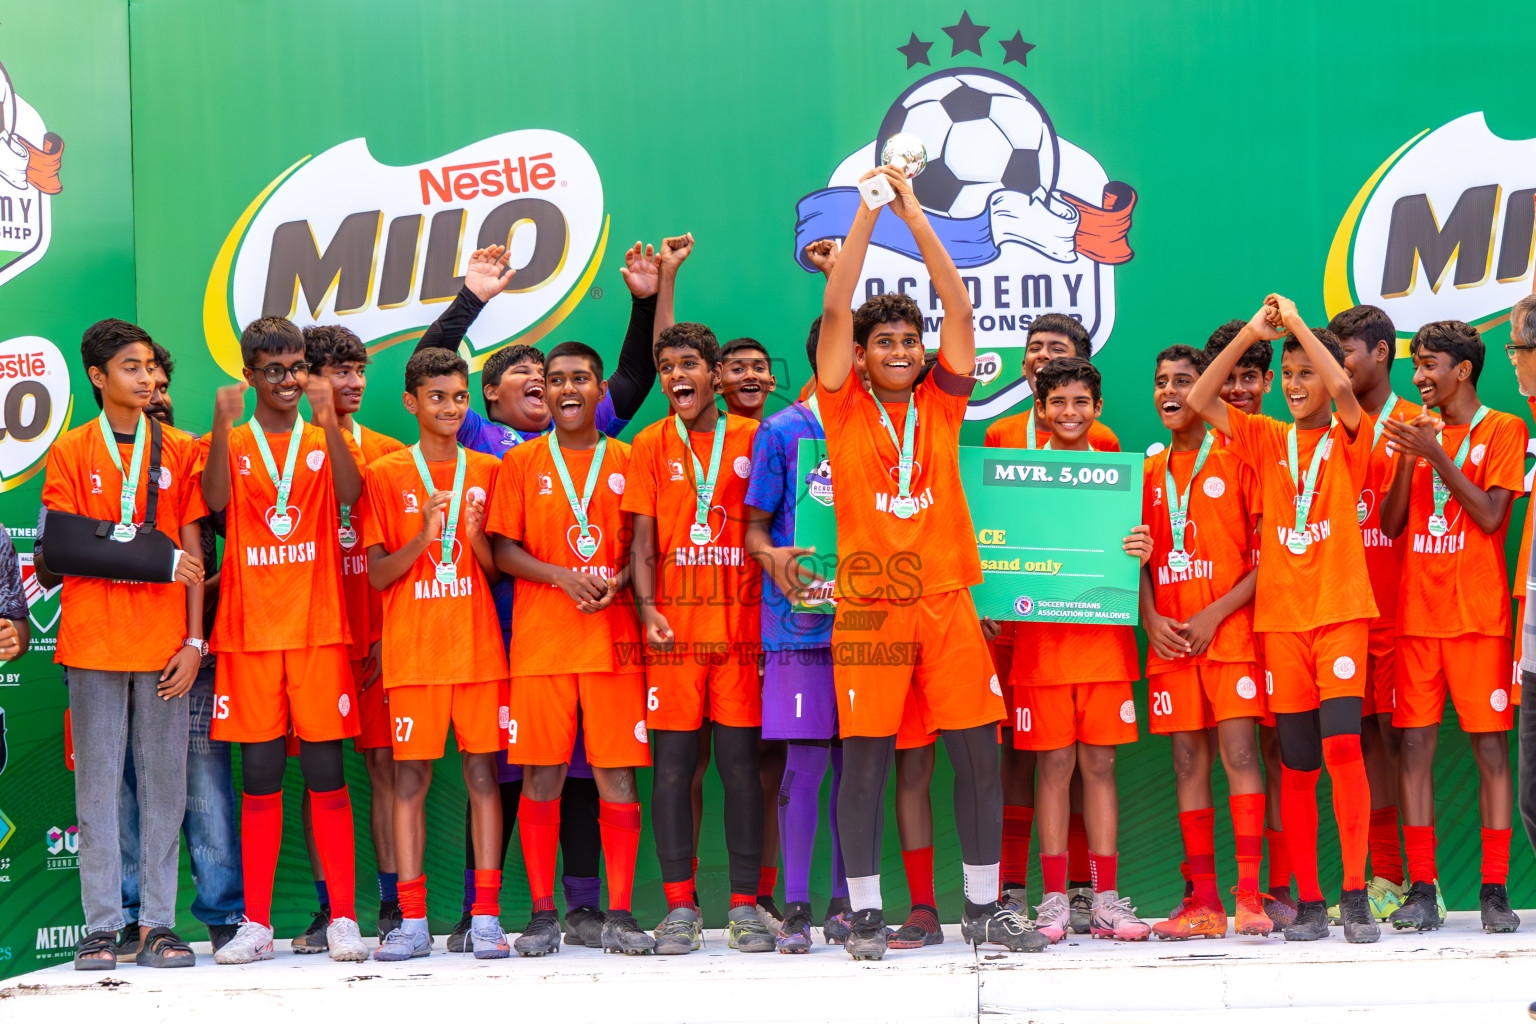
[(1152, 170)]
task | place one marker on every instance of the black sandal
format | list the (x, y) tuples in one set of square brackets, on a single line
[(160, 941), (96, 942)]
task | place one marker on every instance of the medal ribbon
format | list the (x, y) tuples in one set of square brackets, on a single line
[(284, 483), (1442, 490), (815, 407), (903, 446), (131, 478), (578, 507), (346, 510), (1178, 504), (1304, 498), (451, 526), (705, 491), (1029, 431), (1381, 420)]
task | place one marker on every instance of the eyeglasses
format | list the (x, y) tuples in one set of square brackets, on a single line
[(1512, 348), (275, 372)]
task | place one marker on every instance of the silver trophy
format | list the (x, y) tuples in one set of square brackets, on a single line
[(903, 151)]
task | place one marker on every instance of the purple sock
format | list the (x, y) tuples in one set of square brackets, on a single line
[(579, 891), (839, 873), (799, 802), (469, 889)]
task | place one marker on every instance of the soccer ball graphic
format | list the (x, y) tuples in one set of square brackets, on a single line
[(983, 132)]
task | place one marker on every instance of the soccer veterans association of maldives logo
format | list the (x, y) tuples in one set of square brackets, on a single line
[(1441, 230), (343, 238), (1033, 222), (29, 179)]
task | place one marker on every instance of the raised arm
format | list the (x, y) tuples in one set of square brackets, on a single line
[(834, 352), (673, 252), (488, 276), (228, 404), (635, 374), (345, 474), (957, 339), (1328, 368), (1205, 396)]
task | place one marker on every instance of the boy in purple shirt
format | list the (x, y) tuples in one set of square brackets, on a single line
[(799, 704)]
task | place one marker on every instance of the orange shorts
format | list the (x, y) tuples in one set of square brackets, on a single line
[(256, 693), (1301, 670), (931, 648), (684, 688), (420, 716), (1054, 716), (373, 710), (612, 707), (1516, 685), (1380, 673), (1470, 666), (911, 734), (1198, 696), (1268, 721)]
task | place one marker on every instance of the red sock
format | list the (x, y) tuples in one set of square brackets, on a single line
[(1101, 869), (1053, 872), (1199, 830), (1248, 831), (1419, 844), (618, 826), (767, 878), (1298, 806), (694, 882), (538, 821), (919, 865), (679, 894), (1016, 823), (1386, 853), (413, 897), (743, 899), (332, 816), (487, 894), (1495, 855), (261, 826), (1351, 804), (1078, 867), (1279, 857)]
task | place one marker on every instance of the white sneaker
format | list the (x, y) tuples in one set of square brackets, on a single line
[(1053, 917), (251, 943), (345, 940)]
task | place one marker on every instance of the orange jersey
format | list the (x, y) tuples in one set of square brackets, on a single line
[(1058, 653), (1013, 432), (1216, 542), (529, 506), (709, 593), (1383, 556), (1454, 583), (279, 593), (434, 632), (1517, 577), (881, 557), (365, 606), (82, 479), (1328, 582)]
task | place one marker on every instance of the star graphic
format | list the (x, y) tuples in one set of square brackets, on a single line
[(966, 36), (916, 52), (1017, 49)]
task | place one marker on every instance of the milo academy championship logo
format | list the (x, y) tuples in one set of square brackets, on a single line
[(30, 157), (343, 238), (1033, 222)]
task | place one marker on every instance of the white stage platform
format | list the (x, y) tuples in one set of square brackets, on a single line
[(1456, 974)]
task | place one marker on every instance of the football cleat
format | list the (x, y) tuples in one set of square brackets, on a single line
[(1497, 917), (1080, 901), (584, 927), (1355, 916), (458, 939), (920, 929), (745, 931), (313, 939), (1194, 920), (1251, 916), (1419, 910), (794, 932), (623, 934), (678, 932), (866, 935), (1053, 917), (1115, 918), (1310, 923), (541, 937), (1002, 927)]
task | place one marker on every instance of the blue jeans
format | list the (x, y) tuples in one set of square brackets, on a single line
[(212, 836)]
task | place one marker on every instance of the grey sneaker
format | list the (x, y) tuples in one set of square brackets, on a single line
[(678, 932), (251, 943), (1080, 902), (584, 927), (542, 935), (411, 939), (746, 931), (622, 934), (1003, 927), (345, 940), (487, 939)]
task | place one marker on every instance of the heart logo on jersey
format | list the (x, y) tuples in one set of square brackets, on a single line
[(435, 550), (715, 532), (573, 531), (294, 515), (917, 473)]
